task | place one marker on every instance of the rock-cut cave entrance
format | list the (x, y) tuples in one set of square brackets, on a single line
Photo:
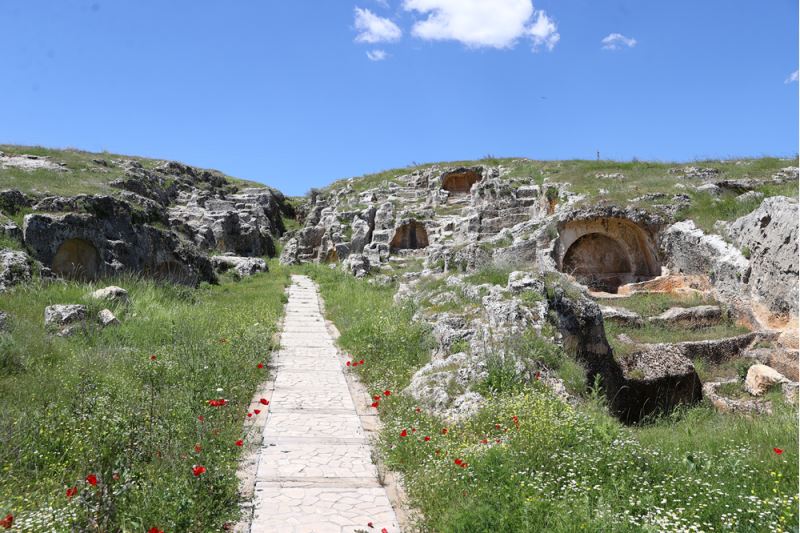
[(409, 236), (606, 252), (460, 181), (77, 259), (599, 262)]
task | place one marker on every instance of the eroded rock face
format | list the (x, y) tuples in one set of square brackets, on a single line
[(769, 235), (693, 317), (87, 246), (15, 268)]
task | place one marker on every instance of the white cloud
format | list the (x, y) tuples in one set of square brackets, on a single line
[(543, 31), (792, 77), (617, 41), (482, 23), (374, 29), (377, 55)]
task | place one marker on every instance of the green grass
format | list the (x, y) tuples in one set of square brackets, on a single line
[(493, 274), (96, 403), (652, 304), (556, 467), (84, 176)]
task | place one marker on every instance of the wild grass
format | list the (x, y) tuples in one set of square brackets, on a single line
[(123, 403), (492, 274), (530, 462), (83, 174), (652, 304)]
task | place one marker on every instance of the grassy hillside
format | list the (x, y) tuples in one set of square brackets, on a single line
[(530, 462), (129, 405), (84, 172)]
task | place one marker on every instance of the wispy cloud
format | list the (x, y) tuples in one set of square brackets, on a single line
[(481, 23), (792, 77), (377, 55), (374, 29), (617, 41)]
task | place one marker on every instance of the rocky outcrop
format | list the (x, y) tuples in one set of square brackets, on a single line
[(111, 293), (88, 246), (242, 266), (15, 268), (65, 319), (621, 316), (769, 235)]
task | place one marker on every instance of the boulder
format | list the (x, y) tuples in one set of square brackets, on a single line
[(107, 318), (658, 377), (15, 268), (621, 316), (784, 360), (112, 292), (357, 265), (694, 317), (65, 318), (760, 378), (243, 266)]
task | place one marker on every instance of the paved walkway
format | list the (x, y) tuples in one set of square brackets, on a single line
[(315, 472)]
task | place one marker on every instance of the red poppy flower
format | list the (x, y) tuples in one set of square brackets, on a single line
[(497, 441), (418, 410), (375, 404), (497, 426), (8, 521), (197, 448), (240, 443), (369, 524), (387, 393), (348, 363), (201, 418), (444, 431), (257, 411), (260, 365), (91, 479), (404, 433), (361, 362), (152, 357), (249, 415), (777, 450), (516, 420), (198, 470), (384, 530), (263, 401), (155, 530), (427, 438), (72, 491), (485, 441), (458, 462), (217, 403), (376, 397), (537, 375)]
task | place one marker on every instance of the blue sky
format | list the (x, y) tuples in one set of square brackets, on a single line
[(299, 93)]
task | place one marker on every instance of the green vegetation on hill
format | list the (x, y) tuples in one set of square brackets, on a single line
[(82, 174), (530, 462), (129, 404)]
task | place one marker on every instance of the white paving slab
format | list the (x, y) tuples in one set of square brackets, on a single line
[(315, 471)]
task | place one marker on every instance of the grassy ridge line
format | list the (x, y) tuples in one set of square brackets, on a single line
[(85, 176), (555, 467), (97, 403)]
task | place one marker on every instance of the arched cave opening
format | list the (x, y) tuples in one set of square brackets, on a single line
[(599, 262), (409, 236), (77, 259), (460, 181)]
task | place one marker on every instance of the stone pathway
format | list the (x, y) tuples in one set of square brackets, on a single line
[(315, 472)]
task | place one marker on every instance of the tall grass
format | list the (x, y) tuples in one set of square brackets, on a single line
[(123, 403), (530, 462)]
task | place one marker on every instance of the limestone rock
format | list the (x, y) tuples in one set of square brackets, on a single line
[(107, 318), (289, 253), (15, 268), (621, 316), (770, 235), (695, 317), (357, 265), (12, 200), (731, 405), (760, 378), (65, 318), (518, 282), (112, 292), (243, 266)]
